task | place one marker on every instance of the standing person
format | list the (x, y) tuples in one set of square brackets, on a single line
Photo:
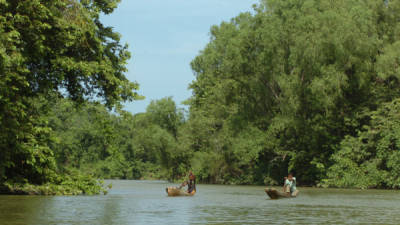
[(191, 183), (289, 186)]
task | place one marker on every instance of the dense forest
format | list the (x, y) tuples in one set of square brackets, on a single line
[(301, 85), (304, 86)]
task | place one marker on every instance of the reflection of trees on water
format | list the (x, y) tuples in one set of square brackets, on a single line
[(25, 209), (60, 210)]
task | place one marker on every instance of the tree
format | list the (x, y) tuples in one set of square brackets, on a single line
[(303, 72), (164, 113), (157, 132), (370, 159), (47, 47)]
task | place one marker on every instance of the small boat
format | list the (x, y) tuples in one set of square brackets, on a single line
[(173, 191), (275, 194)]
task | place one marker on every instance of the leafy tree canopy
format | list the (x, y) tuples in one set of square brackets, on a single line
[(299, 75), (47, 47)]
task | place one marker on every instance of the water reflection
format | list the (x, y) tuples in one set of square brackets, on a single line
[(141, 202)]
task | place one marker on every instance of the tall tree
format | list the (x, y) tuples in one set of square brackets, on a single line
[(57, 46), (303, 73)]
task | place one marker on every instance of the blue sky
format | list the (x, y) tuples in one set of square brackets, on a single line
[(164, 36)]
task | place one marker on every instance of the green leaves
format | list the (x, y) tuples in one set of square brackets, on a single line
[(370, 159), (164, 113), (304, 73), (388, 63), (47, 49)]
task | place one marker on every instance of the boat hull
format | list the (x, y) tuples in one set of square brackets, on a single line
[(173, 192), (275, 194)]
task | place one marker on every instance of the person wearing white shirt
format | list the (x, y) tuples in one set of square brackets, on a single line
[(289, 186)]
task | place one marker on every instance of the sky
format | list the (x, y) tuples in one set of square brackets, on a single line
[(164, 36)]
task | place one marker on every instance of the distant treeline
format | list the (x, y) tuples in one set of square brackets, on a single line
[(307, 86)]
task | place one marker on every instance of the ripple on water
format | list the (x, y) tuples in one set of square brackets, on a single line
[(142, 202)]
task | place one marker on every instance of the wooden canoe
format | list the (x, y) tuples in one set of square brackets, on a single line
[(173, 191), (275, 194)]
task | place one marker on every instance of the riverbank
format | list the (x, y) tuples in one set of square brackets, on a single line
[(47, 189), (79, 185)]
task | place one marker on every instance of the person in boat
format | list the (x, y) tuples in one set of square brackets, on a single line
[(289, 186), (191, 183)]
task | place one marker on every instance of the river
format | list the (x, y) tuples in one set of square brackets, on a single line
[(145, 202)]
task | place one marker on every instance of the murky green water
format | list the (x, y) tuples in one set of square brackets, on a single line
[(145, 202)]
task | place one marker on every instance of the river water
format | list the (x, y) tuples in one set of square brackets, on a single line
[(145, 202)]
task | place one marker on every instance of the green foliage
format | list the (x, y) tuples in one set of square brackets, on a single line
[(280, 89), (50, 48), (164, 113), (299, 85), (372, 158), (70, 183), (95, 141)]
